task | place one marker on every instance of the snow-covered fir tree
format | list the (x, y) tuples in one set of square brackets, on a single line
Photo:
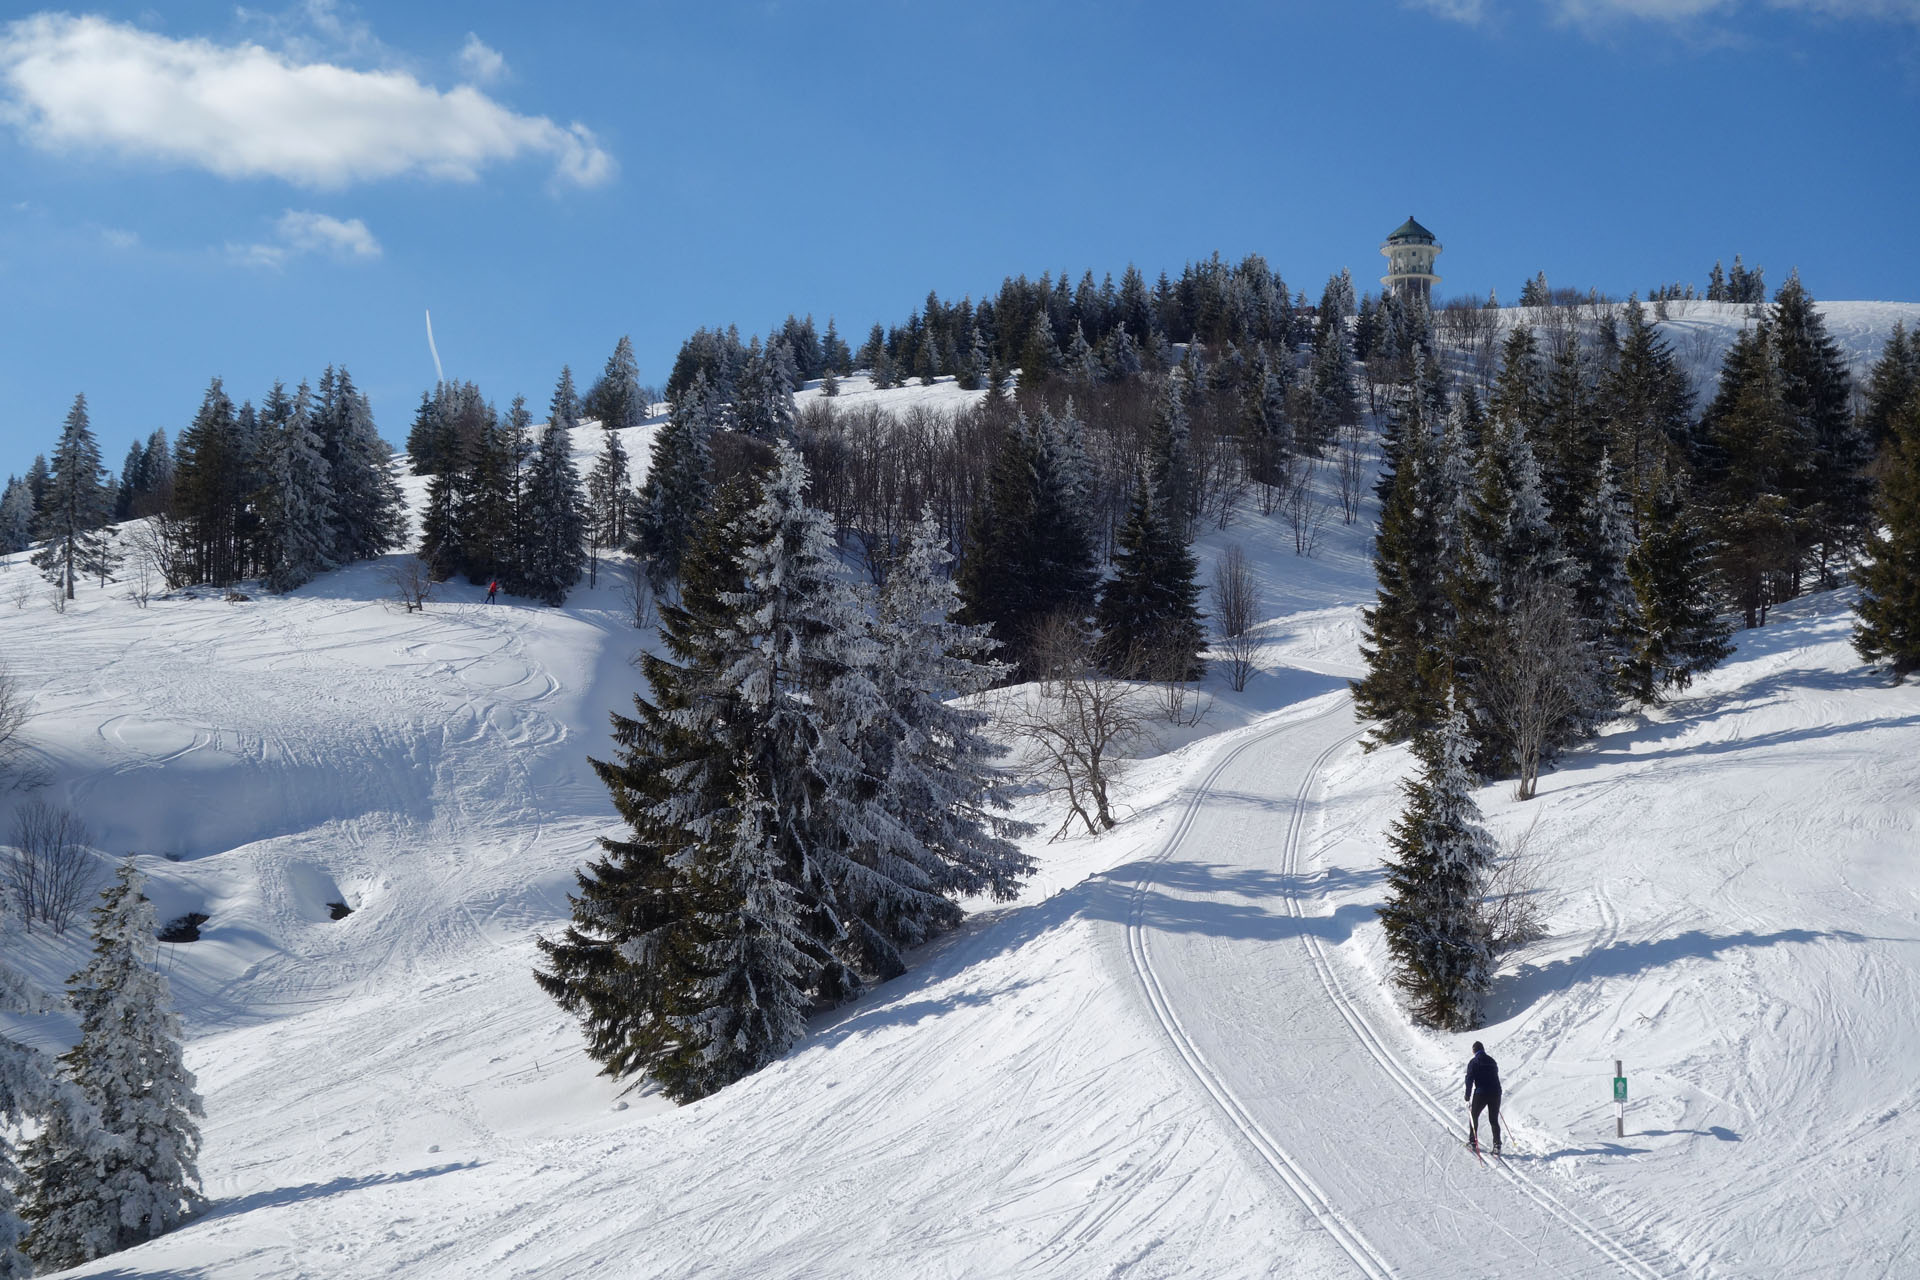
[(1149, 615), (942, 797), (678, 486), (1677, 629), (1887, 626), (73, 510), (556, 535), (617, 400), (1407, 635), (565, 405), (1170, 457), (130, 1066), (369, 511), (33, 1090), (1082, 362), (16, 516), (607, 500), (298, 510), (1434, 918)]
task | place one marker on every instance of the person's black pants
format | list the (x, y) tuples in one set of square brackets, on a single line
[(1491, 1105)]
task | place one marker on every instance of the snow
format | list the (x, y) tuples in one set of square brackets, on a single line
[(1172, 1056)]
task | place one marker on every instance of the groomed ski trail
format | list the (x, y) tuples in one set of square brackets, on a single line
[(1273, 1036)]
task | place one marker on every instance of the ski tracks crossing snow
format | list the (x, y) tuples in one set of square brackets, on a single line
[(1346, 1181)]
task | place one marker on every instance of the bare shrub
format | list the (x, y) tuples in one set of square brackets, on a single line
[(412, 581), (1514, 905), (1350, 470), (1535, 683), (21, 591), (1302, 509), (50, 873), (1236, 606), (1073, 724), (162, 542), (14, 709)]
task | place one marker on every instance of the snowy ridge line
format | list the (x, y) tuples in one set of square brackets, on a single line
[(1605, 1242), (1344, 1233)]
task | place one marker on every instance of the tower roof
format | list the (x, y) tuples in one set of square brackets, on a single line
[(1410, 231)]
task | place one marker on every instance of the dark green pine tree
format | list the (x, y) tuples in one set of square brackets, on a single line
[(678, 486), (1833, 498), (1170, 456), (1567, 439), (1647, 404), (488, 542), (1751, 464), (211, 487), (75, 506), (627, 965), (616, 399), (1519, 391), (556, 543), (1677, 630), (1895, 379), (1435, 919), (1406, 638), (1887, 626), (1149, 618), (1028, 554)]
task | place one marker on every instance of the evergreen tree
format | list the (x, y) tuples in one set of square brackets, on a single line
[(1887, 624), (1434, 919), (16, 516), (1647, 403), (678, 486), (1149, 612), (298, 519), (1519, 391), (1041, 355), (607, 501), (369, 511), (1751, 466), (1123, 354), (491, 535), (1081, 360), (31, 1089), (1407, 634), (1600, 543), (1028, 556), (130, 1066), (75, 506), (1832, 497), (941, 801), (617, 401), (555, 550), (1676, 630), (212, 487), (39, 476), (626, 964), (1170, 457), (564, 408), (1330, 384), (1894, 380)]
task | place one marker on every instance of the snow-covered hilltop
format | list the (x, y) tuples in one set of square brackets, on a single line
[(1174, 1055)]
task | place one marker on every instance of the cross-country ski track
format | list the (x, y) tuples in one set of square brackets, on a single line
[(1234, 966)]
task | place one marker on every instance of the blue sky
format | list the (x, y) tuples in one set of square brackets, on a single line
[(192, 189)]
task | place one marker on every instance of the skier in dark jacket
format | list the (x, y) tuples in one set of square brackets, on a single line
[(1483, 1093)]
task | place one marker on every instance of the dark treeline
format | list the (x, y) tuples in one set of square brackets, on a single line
[(281, 492)]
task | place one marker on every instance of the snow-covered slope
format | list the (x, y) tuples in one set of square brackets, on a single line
[(1171, 1057)]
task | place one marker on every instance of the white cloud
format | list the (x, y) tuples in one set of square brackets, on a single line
[(301, 231), (244, 111), (482, 64), (120, 238)]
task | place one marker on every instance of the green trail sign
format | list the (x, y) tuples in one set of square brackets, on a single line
[(1619, 1088)]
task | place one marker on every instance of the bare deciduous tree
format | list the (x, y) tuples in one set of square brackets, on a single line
[(1236, 605), (1350, 470), (1072, 725), (1302, 509), (1514, 905), (1539, 680), (50, 872), (412, 581), (162, 542), (14, 710)]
